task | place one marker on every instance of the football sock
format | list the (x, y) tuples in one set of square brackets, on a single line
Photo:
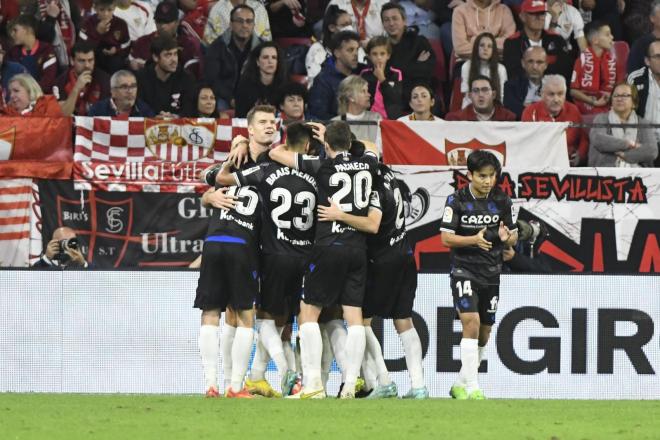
[(289, 355), (373, 348), (240, 356), (469, 364), (208, 349), (311, 349), (337, 334), (412, 347), (272, 341), (482, 353), (259, 362), (326, 355), (355, 342), (369, 372), (226, 342)]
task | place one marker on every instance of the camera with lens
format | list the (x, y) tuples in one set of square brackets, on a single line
[(530, 235), (65, 245)]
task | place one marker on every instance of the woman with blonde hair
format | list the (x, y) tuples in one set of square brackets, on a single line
[(354, 101), (27, 99), (628, 147)]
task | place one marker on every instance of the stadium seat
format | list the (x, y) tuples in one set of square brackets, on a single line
[(621, 51), (456, 99), (440, 69), (302, 79), (285, 42)]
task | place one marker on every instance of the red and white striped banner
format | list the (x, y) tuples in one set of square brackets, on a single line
[(15, 212), (154, 155)]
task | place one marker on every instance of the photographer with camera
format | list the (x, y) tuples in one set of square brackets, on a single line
[(62, 251)]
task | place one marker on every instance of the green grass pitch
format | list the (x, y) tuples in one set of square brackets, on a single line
[(73, 416)]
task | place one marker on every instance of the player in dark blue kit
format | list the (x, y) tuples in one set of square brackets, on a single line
[(391, 280), (289, 198), (229, 277), (337, 268), (476, 225)]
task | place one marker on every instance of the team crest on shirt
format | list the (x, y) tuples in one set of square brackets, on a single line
[(117, 35), (457, 153)]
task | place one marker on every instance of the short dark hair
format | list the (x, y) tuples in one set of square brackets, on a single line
[(648, 48), (291, 88), (103, 2), (483, 78), (592, 28), (25, 20), (380, 40), (340, 37), (479, 159), (82, 46), (338, 136), (265, 108), (239, 7), (298, 134), (162, 43), (392, 5)]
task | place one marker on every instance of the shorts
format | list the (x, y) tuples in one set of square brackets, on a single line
[(470, 296), (391, 286), (335, 274), (229, 277), (281, 284)]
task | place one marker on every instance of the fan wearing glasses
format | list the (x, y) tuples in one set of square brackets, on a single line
[(123, 99), (485, 105)]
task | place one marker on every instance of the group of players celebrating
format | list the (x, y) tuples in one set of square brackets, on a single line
[(315, 228)]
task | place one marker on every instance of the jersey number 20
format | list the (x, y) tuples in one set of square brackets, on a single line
[(360, 184)]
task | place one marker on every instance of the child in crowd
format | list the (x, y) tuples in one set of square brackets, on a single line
[(37, 56), (594, 73), (385, 82), (484, 61), (109, 34)]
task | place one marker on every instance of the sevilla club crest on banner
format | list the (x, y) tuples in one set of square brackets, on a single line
[(457, 153), (181, 140)]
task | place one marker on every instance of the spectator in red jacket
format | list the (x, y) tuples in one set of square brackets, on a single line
[(554, 108), (485, 106), (594, 73), (36, 56), (109, 34), (27, 99)]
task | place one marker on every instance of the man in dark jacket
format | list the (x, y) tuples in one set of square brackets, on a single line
[(164, 85), (526, 89), (225, 57), (344, 61), (123, 100), (559, 57), (411, 53)]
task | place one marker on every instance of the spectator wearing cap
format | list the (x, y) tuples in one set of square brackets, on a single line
[(7, 70), (164, 85), (37, 56), (292, 103), (225, 57), (220, 17), (167, 23), (475, 17), (532, 15), (82, 85), (525, 90), (553, 107), (484, 105), (123, 100), (108, 34)]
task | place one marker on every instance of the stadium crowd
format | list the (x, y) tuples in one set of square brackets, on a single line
[(354, 60)]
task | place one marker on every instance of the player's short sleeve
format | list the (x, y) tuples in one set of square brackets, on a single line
[(374, 201), (507, 215), (451, 215), (308, 164), (249, 176)]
